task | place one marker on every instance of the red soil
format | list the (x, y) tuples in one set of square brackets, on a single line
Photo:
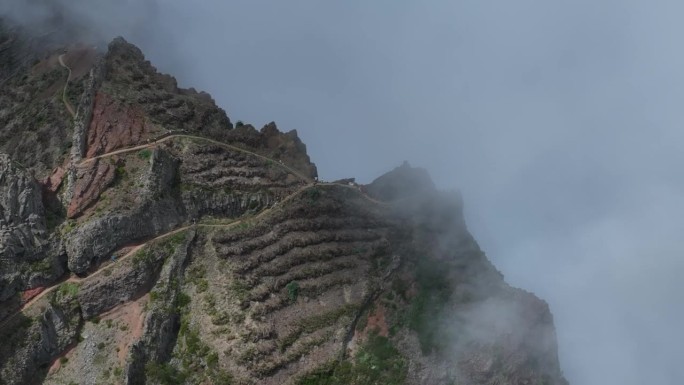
[(376, 324), (132, 315), (91, 182), (31, 293), (116, 126)]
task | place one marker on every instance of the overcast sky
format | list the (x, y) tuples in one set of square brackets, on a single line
[(561, 123)]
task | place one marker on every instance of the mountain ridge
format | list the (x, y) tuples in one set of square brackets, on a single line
[(155, 241)]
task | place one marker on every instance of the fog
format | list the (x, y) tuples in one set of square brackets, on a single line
[(560, 123)]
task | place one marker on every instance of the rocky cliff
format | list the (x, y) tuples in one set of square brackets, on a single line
[(145, 239)]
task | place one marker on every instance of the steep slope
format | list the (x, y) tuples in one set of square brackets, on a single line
[(156, 243)]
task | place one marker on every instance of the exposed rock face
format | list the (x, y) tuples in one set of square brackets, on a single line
[(131, 78), (23, 233), (116, 126), (182, 249), (92, 180), (30, 342)]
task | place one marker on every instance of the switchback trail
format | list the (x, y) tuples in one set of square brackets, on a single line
[(68, 105)]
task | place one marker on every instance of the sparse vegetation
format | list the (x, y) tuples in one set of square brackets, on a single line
[(42, 266), (182, 300), (313, 194), (165, 374), (240, 289), (68, 227), (121, 174), (317, 322), (196, 273), (144, 154), (68, 289), (202, 285), (377, 362), (196, 361), (434, 291), (142, 257)]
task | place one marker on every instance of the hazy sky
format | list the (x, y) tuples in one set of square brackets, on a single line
[(561, 123)]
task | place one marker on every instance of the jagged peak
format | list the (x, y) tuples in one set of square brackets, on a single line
[(402, 182)]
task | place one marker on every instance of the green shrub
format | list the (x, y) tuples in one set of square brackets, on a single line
[(182, 300), (120, 173), (292, 290), (212, 359), (240, 288), (202, 285), (313, 194), (68, 227), (142, 257), (68, 289), (377, 362), (144, 154), (165, 374)]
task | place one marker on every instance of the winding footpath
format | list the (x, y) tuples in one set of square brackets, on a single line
[(194, 137), (68, 105)]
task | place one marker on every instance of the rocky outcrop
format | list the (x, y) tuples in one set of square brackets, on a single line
[(30, 343), (221, 181), (402, 182), (54, 180), (162, 175), (284, 147), (98, 239), (133, 277), (92, 179), (129, 77), (23, 233), (163, 320)]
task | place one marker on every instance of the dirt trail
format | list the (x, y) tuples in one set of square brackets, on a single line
[(68, 105), (226, 145)]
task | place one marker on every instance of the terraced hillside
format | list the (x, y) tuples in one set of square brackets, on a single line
[(295, 280), (145, 239)]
